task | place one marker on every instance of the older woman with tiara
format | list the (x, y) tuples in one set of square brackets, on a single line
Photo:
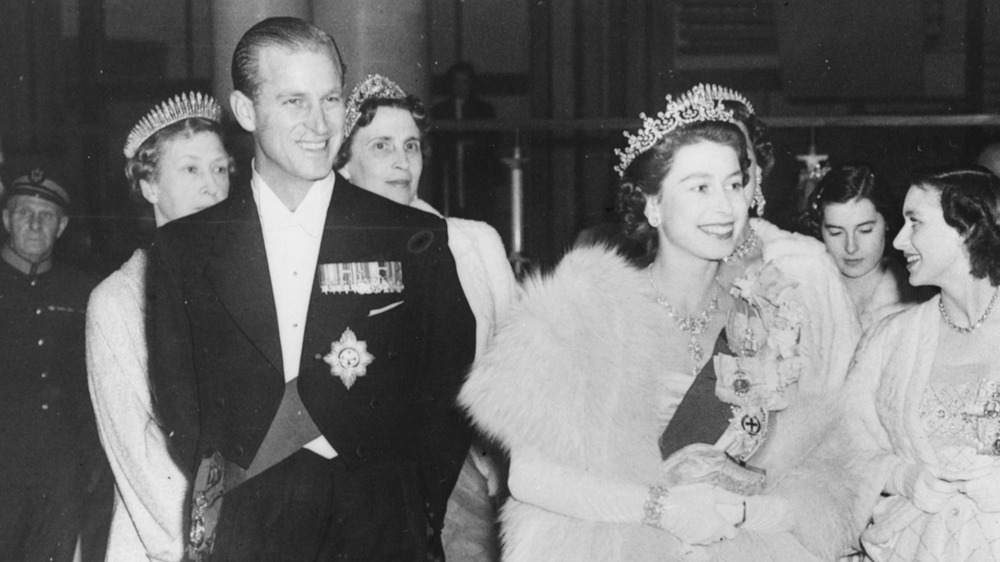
[(176, 162), (641, 405), (923, 395), (852, 213), (383, 152)]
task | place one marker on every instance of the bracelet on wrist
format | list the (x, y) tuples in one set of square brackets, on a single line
[(652, 510)]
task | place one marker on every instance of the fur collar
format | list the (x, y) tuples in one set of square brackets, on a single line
[(573, 374)]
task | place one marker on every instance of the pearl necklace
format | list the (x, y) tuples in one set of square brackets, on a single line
[(968, 329), (743, 249), (693, 324)]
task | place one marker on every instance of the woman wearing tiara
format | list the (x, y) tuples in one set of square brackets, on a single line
[(383, 153), (176, 162), (636, 401), (923, 394)]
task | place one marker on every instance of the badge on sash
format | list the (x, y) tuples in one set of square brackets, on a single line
[(348, 358), (363, 278)]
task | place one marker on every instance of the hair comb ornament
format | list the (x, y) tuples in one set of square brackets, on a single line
[(721, 93), (374, 86), (694, 106), (183, 106)]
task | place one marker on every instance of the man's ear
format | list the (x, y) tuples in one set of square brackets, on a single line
[(63, 223), (6, 219), (242, 107)]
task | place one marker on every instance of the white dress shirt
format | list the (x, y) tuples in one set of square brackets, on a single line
[(291, 240)]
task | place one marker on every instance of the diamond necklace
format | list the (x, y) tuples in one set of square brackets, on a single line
[(743, 249), (693, 324), (966, 329)]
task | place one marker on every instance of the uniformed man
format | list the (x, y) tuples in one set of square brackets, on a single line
[(49, 451)]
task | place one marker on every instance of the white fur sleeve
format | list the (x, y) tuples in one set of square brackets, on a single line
[(555, 375)]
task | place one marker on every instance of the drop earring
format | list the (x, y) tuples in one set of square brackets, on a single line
[(758, 194), (759, 202)]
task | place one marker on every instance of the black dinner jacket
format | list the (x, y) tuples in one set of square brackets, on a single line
[(215, 355)]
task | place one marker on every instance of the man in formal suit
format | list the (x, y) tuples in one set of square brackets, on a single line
[(308, 338)]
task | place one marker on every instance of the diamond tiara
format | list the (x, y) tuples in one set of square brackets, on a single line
[(693, 106), (183, 106), (374, 86), (721, 93)]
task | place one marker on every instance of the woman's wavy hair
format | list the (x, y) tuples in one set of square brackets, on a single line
[(145, 165), (970, 201), (644, 176), (763, 149), (367, 113), (852, 182)]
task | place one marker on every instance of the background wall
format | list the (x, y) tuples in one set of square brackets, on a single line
[(77, 74)]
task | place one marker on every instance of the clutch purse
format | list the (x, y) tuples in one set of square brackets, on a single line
[(740, 478), (702, 463)]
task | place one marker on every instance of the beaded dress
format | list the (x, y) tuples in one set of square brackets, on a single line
[(963, 436), (911, 418)]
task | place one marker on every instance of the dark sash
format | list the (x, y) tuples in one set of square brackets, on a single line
[(700, 417), (291, 428)]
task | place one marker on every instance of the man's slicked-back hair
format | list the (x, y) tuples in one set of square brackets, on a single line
[(287, 32)]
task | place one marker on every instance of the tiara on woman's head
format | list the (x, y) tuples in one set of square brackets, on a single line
[(374, 86), (183, 106), (693, 106), (721, 93)]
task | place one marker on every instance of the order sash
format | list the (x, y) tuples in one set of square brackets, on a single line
[(700, 417), (290, 430)]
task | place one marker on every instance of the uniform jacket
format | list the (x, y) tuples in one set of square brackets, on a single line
[(215, 355), (47, 422)]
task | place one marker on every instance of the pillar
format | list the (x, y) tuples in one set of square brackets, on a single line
[(230, 20), (388, 37)]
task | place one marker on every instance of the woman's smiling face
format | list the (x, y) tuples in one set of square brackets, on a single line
[(935, 252), (701, 201)]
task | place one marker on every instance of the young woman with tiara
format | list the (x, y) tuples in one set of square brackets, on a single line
[(176, 163), (641, 405), (922, 400)]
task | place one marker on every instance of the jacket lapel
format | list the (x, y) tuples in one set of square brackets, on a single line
[(237, 268)]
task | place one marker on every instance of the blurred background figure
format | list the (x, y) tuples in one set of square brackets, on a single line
[(462, 101), (176, 163), (467, 173), (384, 133), (854, 214), (55, 484)]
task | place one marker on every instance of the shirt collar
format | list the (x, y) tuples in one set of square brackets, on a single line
[(24, 265), (310, 215)]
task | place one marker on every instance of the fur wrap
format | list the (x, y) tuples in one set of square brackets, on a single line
[(572, 376)]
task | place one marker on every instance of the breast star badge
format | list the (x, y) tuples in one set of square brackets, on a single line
[(348, 358)]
